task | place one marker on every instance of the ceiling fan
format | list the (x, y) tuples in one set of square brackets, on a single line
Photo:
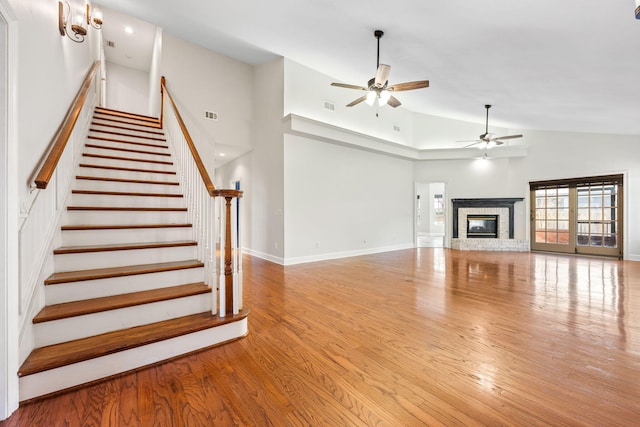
[(378, 87), (489, 140)]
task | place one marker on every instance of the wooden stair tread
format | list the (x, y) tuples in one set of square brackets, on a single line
[(117, 168), (114, 302), (122, 141), (114, 120), (122, 247), (128, 159), (130, 270), (125, 193), (131, 181), (79, 227), (127, 150), (58, 355), (127, 134), (124, 209), (153, 132), (124, 114)]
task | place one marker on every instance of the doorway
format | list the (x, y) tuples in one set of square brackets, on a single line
[(430, 214)]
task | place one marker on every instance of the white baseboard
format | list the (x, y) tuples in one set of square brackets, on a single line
[(346, 254)]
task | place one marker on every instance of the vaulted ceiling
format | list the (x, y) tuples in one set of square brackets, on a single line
[(570, 65)]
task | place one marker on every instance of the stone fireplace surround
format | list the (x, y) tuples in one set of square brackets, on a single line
[(503, 207)]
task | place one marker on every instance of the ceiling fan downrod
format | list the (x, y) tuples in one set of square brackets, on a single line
[(378, 34)]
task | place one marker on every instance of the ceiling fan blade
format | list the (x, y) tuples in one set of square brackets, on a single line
[(393, 101), (349, 86), (472, 144), (382, 75), (357, 101), (506, 137), (409, 85), (475, 141)]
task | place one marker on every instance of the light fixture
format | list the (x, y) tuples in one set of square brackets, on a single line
[(79, 32), (377, 94), (96, 20)]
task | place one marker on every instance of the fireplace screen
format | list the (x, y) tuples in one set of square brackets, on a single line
[(482, 226)]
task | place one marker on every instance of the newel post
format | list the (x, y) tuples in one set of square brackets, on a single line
[(228, 287)]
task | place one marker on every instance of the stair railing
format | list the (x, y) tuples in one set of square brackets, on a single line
[(42, 208), (211, 210)]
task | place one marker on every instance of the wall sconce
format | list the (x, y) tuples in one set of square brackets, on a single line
[(637, 9), (96, 20), (76, 19), (79, 32)]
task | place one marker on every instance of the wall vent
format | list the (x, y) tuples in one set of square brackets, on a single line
[(396, 128), (110, 43), (329, 106), (211, 115)]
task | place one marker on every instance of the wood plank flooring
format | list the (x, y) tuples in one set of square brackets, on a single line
[(407, 338)]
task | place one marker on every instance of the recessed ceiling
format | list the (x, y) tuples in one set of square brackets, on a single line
[(569, 65)]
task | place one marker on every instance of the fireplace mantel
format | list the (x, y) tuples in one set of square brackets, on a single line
[(505, 202)]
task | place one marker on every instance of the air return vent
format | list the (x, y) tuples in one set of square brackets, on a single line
[(329, 106), (110, 43), (211, 115), (396, 128)]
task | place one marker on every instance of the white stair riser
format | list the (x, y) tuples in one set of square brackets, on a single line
[(129, 235), (87, 289), (91, 260), (57, 331), (109, 173), (53, 380), (131, 201), (128, 163), (134, 187), (124, 217), (131, 131), (121, 153), (106, 118)]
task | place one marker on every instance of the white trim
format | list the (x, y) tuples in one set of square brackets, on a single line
[(264, 256), (346, 254), (9, 387)]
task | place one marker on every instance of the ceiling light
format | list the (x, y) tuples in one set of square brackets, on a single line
[(221, 154), (384, 97), (371, 97), (128, 30)]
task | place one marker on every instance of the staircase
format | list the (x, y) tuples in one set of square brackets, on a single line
[(128, 289)]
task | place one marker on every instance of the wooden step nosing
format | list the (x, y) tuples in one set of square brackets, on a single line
[(116, 302), (126, 150), (121, 169), (133, 270), (122, 141), (201, 322), (123, 247), (125, 180), (89, 227), (127, 159), (123, 209), (125, 193)]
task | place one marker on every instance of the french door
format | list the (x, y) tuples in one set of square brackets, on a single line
[(582, 215)]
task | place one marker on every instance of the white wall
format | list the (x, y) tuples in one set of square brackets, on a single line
[(341, 201), (200, 80), (127, 89)]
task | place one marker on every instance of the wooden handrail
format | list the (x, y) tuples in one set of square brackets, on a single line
[(61, 137), (206, 179)]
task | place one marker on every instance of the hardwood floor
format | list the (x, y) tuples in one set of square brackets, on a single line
[(407, 338)]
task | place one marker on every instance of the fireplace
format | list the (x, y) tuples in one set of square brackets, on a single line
[(482, 226)]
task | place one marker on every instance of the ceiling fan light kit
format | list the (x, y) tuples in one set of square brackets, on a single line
[(378, 88)]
